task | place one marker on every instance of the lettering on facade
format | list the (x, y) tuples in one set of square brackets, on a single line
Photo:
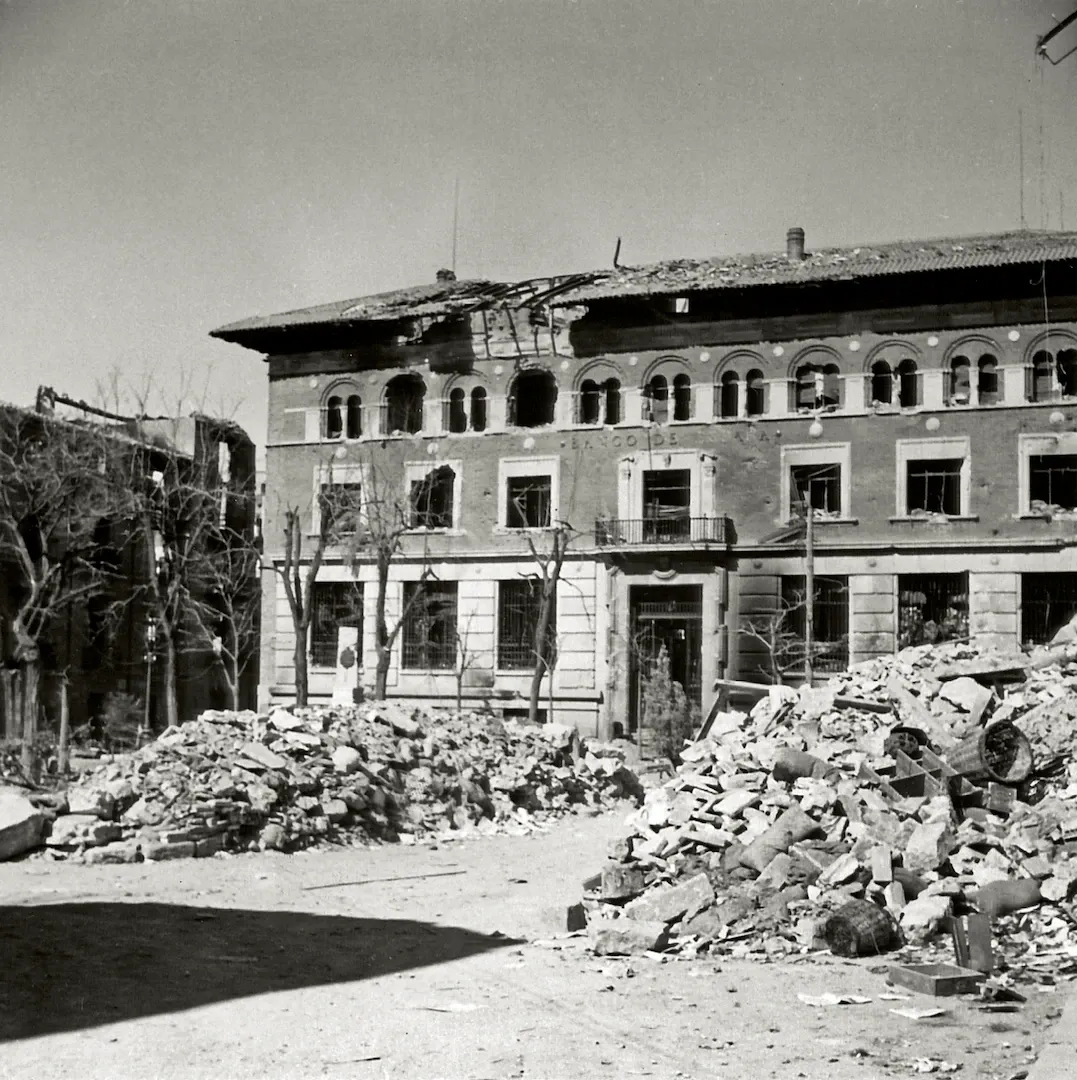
[(616, 442)]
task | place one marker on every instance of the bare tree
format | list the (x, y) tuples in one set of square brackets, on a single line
[(782, 640), (56, 485), (466, 658)]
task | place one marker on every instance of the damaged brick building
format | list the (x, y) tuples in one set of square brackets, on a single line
[(921, 397)]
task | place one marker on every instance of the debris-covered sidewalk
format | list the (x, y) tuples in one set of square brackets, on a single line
[(925, 802), (242, 781)]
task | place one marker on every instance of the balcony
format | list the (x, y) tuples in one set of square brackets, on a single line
[(665, 531)]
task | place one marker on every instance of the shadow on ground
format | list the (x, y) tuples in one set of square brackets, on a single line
[(69, 966)]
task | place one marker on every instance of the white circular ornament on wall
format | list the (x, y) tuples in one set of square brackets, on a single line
[(432, 449), (704, 356), (564, 365), (778, 350), (529, 443), (313, 382), (633, 361), (932, 423), (854, 346), (498, 369), (1014, 335), (933, 341)]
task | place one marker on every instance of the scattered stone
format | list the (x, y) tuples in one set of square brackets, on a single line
[(626, 937), (21, 824)]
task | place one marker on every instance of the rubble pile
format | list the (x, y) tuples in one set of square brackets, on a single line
[(907, 790), (243, 781)]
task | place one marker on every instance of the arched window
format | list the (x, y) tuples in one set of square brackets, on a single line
[(590, 402), (354, 416), (457, 410), (334, 419), (478, 409), (987, 380), (805, 387), (960, 386), (1043, 383), (532, 399), (882, 383), (404, 405), (682, 397), (612, 390), (1067, 371), (830, 396), (755, 393), (729, 395), (657, 393), (908, 384)]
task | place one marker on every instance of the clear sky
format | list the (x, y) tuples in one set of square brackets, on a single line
[(167, 166)]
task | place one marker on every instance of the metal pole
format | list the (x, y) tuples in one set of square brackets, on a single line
[(809, 589)]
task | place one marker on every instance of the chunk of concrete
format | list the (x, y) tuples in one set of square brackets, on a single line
[(78, 830), (625, 937), (923, 917), (346, 759), (667, 903), (621, 882), (968, 695), (21, 825), (262, 755), (929, 846), (92, 801)]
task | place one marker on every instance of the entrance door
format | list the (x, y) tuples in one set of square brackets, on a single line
[(670, 615)]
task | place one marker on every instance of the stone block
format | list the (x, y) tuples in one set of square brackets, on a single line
[(159, 852), (75, 830), (21, 825), (667, 903), (923, 917), (346, 759), (626, 937), (335, 809), (203, 849), (92, 801), (929, 845), (125, 851), (261, 755)]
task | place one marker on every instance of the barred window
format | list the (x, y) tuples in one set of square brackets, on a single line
[(530, 500), (1048, 603), (830, 618), (1052, 480), (518, 605), (333, 604), (934, 486), (429, 631), (932, 608)]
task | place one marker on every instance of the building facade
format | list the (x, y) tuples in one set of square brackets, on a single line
[(919, 397)]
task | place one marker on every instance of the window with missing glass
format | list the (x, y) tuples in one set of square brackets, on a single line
[(1052, 480), (519, 606), (529, 502), (934, 486), (817, 486), (428, 634), (340, 507), (431, 499), (333, 604), (830, 619)]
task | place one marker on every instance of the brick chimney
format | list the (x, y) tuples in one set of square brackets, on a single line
[(794, 245)]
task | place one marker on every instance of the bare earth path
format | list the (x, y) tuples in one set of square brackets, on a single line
[(236, 967)]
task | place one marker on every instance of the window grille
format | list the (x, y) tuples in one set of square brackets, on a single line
[(519, 602), (429, 630), (530, 502), (932, 608), (333, 604), (1048, 603), (1052, 480), (830, 619), (934, 486)]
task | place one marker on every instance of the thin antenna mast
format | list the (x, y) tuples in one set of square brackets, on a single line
[(455, 219), (1021, 163)]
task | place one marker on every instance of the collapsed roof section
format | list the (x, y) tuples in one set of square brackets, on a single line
[(448, 298)]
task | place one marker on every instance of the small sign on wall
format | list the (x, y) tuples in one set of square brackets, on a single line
[(346, 677)]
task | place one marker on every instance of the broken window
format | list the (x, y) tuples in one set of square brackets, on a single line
[(518, 605), (818, 387), (830, 620), (340, 505), (530, 502), (682, 397), (532, 399), (1066, 366), (932, 608), (729, 395), (1048, 603), (612, 390), (354, 426), (817, 486), (1042, 377), (755, 393), (934, 486), (599, 403), (478, 409), (960, 387), (590, 402), (1052, 481), (457, 418), (333, 423), (429, 630), (667, 505), (882, 383), (908, 378), (656, 394), (333, 604), (987, 391), (431, 499), (403, 410)]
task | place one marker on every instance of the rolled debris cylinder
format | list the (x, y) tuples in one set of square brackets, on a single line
[(1005, 897), (793, 764), (792, 826), (1000, 752), (861, 928)]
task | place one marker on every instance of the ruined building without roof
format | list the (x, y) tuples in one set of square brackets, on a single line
[(919, 397)]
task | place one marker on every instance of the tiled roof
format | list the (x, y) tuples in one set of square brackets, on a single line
[(674, 277), (832, 264)]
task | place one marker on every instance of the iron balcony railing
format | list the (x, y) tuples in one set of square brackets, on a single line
[(662, 531)]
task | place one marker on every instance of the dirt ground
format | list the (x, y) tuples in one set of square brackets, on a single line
[(313, 965)]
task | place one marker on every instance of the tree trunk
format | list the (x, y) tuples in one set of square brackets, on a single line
[(381, 669), (383, 646), (536, 691), (171, 696), (31, 684), (299, 656), (64, 751)]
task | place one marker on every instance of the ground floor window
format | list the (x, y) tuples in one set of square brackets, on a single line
[(932, 608), (518, 605), (830, 611), (429, 630), (333, 604), (1048, 602)]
